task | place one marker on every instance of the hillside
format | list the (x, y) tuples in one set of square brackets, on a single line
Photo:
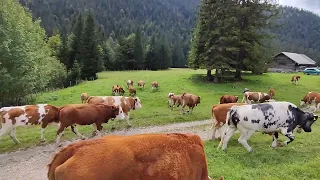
[(174, 19)]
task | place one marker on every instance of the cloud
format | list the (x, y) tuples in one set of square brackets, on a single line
[(311, 5)]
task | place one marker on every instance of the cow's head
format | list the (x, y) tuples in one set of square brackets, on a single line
[(246, 90), (117, 112), (302, 102), (137, 103), (170, 95), (307, 120), (198, 101)]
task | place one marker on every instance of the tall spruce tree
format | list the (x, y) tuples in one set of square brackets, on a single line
[(138, 50), (89, 54), (77, 31)]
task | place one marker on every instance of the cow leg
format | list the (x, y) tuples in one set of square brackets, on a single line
[(94, 130), (99, 129), (75, 131), (245, 135), (275, 137), (43, 128), (289, 135), (13, 135), (226, 137), (182, 109), (127, 119), (59, 134), (5, 129), (317, 107)]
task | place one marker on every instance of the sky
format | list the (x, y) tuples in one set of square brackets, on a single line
[(311, 5)]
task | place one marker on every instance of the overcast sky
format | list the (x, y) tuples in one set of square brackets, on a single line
[(311, 5)]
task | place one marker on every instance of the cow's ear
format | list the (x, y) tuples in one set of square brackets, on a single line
[(135, 99), (315, 117)]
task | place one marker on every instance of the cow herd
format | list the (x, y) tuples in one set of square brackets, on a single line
[(155, 156)]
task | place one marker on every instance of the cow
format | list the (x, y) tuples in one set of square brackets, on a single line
[(317, 102), (266, 117), (272, 93), (121, 91), (189, 100), (115, 89), (218, 115), (86, 114), (127, 103), (295, 79), (174, 100), (141, 84), (129, 82), (260, 97), (143, 156), (132, 91), (39, 114), (83, 97), (155, 85), (309, 98), (228, 99)]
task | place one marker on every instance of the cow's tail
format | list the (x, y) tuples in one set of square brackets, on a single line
[(228, 118), (58, 159), (212, 115)]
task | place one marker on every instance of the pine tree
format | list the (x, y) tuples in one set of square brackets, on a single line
[(138, 50), (89, 50), (77, 31)]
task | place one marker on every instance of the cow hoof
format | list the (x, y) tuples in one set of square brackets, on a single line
[(250, 150), (43, 140)]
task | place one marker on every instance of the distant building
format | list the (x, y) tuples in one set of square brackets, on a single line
[(291, 61)]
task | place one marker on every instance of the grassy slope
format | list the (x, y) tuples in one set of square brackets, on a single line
[(155, 110)]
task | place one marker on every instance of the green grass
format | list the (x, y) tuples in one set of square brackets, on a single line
[(155, 110)]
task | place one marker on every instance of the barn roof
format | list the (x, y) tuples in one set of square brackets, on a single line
[(299, 58)]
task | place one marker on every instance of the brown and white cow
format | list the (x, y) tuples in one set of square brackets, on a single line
[(86, 114), (309, 98), (129, 82), (132, 91), (189, 100), (228, 99), (115, 89), (219, 115), (173, 156), (174, 100), (121, 91), (295, 79), (155, 85), (260, 97), (40, 114), (126, 103), (83, 97), (141, 84)]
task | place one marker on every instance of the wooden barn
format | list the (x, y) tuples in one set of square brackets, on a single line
[(291, 61)]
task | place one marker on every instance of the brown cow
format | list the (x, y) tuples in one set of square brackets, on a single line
[(121, 91), (309, 98), (86, 114), (83, 97), (141, 84), (129, 82), (115, 89), (173, 156), (219, 115), (189, 100), (174, 99), (260, 97), (11, 117), (132, 91), (155, 85), (228, 99), (272, 93), (317, 103), (127, 103), (295, 79)]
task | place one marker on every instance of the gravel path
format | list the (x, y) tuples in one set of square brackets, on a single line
[(32, 163)]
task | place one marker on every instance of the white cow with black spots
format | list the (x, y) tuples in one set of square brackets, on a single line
[(266, 117)]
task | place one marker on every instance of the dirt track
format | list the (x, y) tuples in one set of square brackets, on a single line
[(31, 164)]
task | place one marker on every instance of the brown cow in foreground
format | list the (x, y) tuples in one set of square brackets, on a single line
[(189, 100), (173, 156), (295, 79), (83, 97), (228, 99), (219, 115), (14, 116), (141, 84), (174, 100), (86, 114)]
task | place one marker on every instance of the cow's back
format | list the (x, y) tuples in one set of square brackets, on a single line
[(146, 156), (220, 111)]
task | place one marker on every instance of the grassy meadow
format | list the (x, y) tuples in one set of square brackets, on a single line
[(155, 109)]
